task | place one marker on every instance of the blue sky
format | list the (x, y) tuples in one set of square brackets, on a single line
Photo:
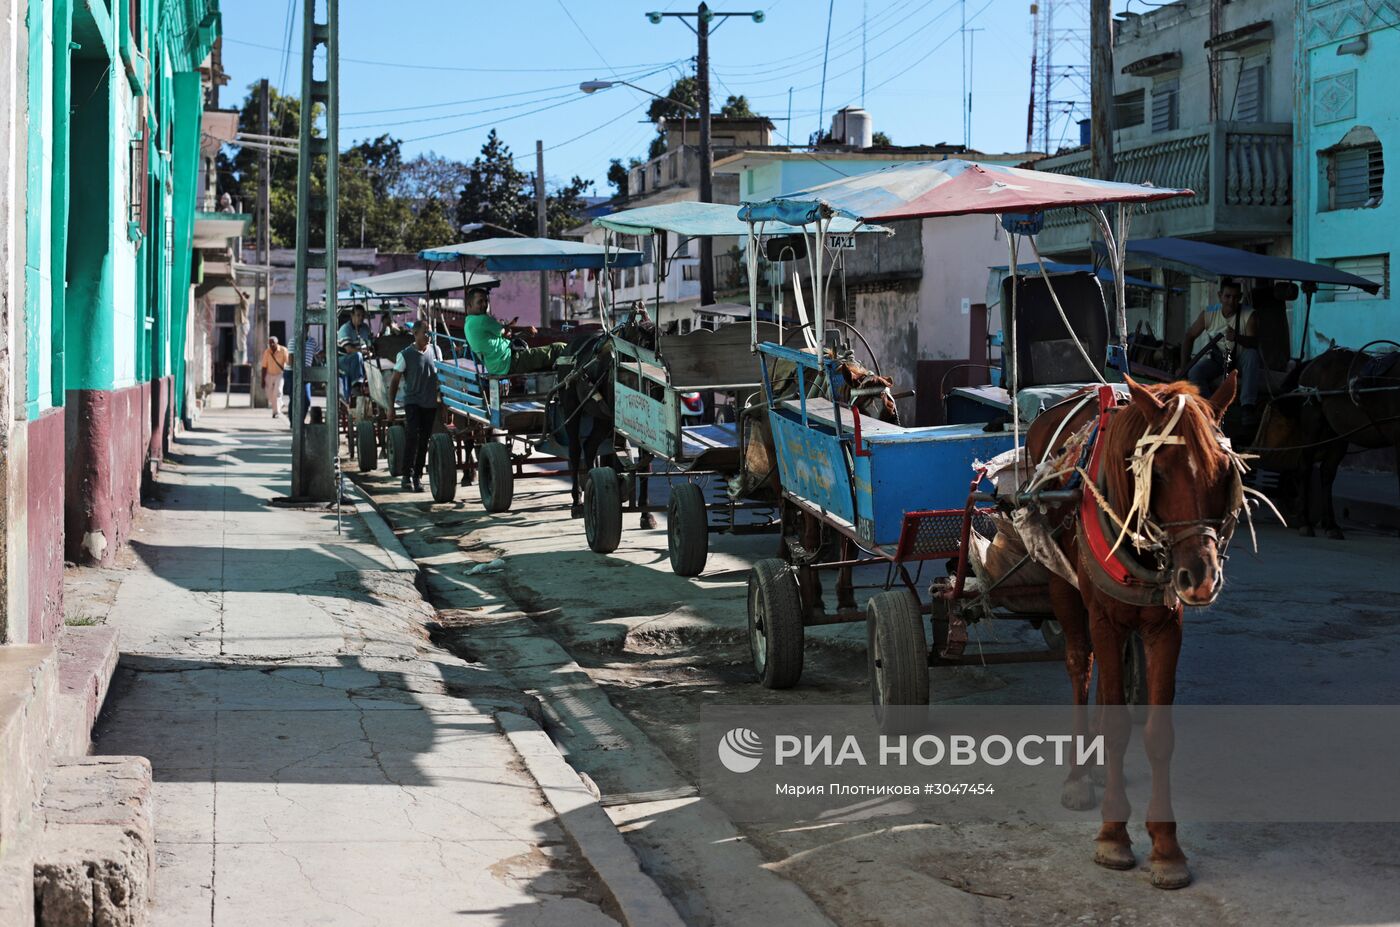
[(440, 73)]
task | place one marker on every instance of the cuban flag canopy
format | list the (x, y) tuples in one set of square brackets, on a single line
[(920, 189)]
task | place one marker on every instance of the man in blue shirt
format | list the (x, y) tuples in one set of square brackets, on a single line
[(353, 339)]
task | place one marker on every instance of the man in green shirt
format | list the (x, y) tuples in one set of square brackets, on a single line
[(487, 339)]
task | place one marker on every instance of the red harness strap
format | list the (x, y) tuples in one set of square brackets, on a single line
[(1091, 525)]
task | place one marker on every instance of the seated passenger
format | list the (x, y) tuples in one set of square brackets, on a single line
[(487, 339)]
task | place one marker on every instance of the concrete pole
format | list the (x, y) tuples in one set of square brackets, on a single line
[(707, 195), (260, 307), (1101, 89), (541, 228)]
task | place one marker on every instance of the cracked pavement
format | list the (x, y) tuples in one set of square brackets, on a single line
[(317, 760)]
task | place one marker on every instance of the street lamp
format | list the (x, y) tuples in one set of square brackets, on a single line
[(593, 86)]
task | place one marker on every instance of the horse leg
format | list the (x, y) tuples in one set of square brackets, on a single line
[(1162, 646), (644, 459), (1305, 517), (1332, 457), (575, 465), (845, 588), (1113, 848), (1068, 606), (468, 462)]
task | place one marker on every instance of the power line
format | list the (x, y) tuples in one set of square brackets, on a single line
[(443, 67), (498, 96)]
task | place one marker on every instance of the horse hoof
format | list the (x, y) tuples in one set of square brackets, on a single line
[(576, 510), (1170, 874), (1335, 534), (648, 520), (1111, 854), (1307, 531), (1078, 794), (1099, 775)]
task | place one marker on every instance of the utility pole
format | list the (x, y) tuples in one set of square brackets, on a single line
[(703, 17), (260, 306), (541, 229), (1100, 89)]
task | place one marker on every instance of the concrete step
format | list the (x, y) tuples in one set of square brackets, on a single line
[(94, 859), (28, 702), (87, 658)]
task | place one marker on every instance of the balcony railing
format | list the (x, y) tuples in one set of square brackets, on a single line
[(1241, 172), (666, 170)]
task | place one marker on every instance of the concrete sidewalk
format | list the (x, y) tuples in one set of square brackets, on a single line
[(316, 759)]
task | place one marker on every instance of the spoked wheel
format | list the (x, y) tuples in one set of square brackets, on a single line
[(602, 510), (897, 652), (1054, 636), (496, 477), (394, 450), (687, 530), (775, 624), (367, 448), (442, 467)]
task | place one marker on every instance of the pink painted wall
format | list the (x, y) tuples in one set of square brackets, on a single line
[(518, 294), (108, 439), (44, 522)]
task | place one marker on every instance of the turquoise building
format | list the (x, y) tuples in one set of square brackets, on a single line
[(1346, 126), (100, 150)]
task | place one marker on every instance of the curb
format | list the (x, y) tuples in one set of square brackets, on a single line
[(383, 535), (638, 898)]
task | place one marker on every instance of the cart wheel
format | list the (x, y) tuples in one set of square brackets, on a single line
[(367, 449), (775, 624), (1135, 673), (897, 652), (687, 530), (602, 510), (1054, 636), (442, 467), (394, 450), (496, 478)]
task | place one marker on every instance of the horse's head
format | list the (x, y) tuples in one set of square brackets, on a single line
[(873, 393), (1182, 479)]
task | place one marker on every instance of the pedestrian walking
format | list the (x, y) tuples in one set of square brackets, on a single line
[(309, 352), (274, 360), (414, 368)]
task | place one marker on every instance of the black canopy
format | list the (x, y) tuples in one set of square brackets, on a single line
[(1204, 259)]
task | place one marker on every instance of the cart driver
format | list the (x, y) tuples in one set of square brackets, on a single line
[(1237, 347), (353, 339), (487, 338)]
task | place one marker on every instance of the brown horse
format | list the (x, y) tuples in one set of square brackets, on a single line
[(1188, 515), (1339, 399)]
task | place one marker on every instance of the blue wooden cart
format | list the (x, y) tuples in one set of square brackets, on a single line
[(650, 381), (499, 417), (897, 497)]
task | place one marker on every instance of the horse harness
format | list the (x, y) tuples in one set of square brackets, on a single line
[(1115, 570)]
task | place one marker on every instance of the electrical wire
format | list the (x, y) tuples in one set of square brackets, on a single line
[(442, 67)]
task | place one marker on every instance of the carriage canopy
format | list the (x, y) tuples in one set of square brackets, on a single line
[(923, 189), (1203, 259), (521, 254), (707, 220), (415, 281)]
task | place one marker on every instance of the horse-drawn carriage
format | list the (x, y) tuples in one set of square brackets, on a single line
[(651, 377), (899, 497), (501, 418)]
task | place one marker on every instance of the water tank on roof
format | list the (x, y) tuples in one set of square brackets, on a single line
[(852, 126)]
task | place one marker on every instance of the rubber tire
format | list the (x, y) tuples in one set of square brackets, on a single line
[(1054, 636), (602, 510), (896, 653), (366, 446), (687, 530), (495, 479), (442, 467), (393, 451), (775, 624)]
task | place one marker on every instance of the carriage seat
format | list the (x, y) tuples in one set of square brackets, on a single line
[(705, 359)]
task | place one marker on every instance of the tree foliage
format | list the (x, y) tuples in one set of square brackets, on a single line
[(387, 202), (737, 107)]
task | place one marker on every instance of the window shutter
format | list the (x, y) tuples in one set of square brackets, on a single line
[(1127, 109), (1374, 267), (1357, 176), (1164, 110), (1249, 97)]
